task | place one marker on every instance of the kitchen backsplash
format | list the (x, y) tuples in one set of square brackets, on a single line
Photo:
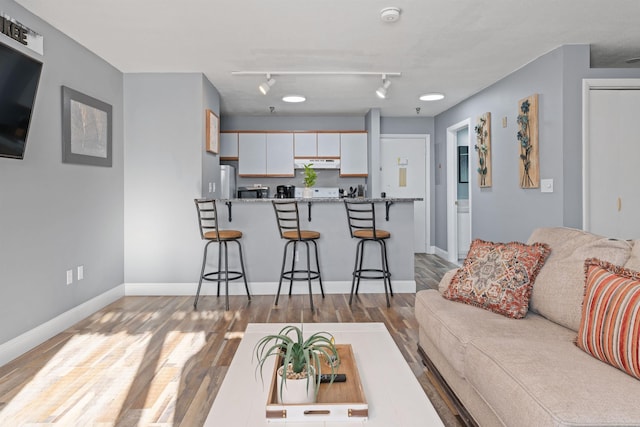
[(326, 178)]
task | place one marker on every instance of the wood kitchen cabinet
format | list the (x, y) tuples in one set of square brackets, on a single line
[(252, 154), (305, 144), (280, 154), (229, 145), (317, 144), (328, 145), (265, 154), (353, 154)]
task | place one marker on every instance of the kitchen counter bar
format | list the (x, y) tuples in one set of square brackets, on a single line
[(263, 247), (309, 201)]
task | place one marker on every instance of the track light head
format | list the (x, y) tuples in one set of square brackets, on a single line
[(266, 86), (382, 90)]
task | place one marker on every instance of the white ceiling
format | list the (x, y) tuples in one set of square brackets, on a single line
[(457, 47)]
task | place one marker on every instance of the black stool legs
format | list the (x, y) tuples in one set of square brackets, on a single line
[(222, 275), (371, 273), (308, 274)]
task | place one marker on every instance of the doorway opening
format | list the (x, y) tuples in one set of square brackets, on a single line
[(458, 191)]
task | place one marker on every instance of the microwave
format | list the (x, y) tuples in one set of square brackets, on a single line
[(253, 193)]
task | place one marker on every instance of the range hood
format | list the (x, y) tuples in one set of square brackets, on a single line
[(317, 163)]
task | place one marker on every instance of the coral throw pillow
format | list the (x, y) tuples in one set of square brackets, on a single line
[(610, 324), (498, 276)]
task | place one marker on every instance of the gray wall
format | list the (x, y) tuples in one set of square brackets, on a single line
[(164, 131), (57, 216), (407, 125), (291, 123), (210, 161), (506, 212)]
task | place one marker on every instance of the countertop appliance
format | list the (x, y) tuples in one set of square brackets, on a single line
[(227, 182), (285, 191), (257, 192), (322, 192), (317, 163)]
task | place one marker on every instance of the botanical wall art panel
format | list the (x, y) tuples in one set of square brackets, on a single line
[(528, 141), (483, 147)]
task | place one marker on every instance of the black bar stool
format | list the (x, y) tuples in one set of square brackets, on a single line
[(288, 220), (362, 225), (209, 231)]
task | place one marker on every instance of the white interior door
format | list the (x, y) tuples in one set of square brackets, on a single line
[(612, 150), (404, 174)]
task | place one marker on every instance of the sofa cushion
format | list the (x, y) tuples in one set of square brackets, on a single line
[(451, 326), (610, 325), (498, 276), (559, 288), (548, 381), (633, 263)]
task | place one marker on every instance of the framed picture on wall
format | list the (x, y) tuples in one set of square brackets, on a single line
[(213, 132), (86, 129)]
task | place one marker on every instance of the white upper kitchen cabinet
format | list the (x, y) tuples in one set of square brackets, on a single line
[(252, 154), (229, 145), (280, 154), (305, 144), (353, 154), (328, 145)]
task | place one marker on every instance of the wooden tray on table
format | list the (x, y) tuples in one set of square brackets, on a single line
[(336, 402)]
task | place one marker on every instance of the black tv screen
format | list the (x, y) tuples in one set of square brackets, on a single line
[(19, 77)]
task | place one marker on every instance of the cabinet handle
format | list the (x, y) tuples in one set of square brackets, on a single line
[(619, 204)]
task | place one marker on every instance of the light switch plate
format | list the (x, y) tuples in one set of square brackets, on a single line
[(546, 185)]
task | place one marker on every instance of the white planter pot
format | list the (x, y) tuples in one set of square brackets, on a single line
[(296, 391), (307, 192)]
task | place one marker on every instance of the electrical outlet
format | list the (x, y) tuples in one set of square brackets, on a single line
[(69, 277), (504, 122), (80, 272), (214, 187), (210, 187)]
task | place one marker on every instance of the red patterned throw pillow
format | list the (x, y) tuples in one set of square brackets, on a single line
[(498, 276), (610, 324)]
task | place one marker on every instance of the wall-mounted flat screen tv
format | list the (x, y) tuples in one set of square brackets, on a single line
[(19, 77)]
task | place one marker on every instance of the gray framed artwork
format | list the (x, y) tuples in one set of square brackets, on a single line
[(86, 129)]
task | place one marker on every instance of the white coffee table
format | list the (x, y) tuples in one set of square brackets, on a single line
[(395, 397)]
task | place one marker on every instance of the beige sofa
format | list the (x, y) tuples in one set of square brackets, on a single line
[(529, 372)]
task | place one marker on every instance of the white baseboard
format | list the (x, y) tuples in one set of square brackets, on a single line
[(264, 288), (431, 250), (36, 336), (441, 253)]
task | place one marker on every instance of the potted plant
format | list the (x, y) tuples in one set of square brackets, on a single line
[(302, 359), (310, 177)]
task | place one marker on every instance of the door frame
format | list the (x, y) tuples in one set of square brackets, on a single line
[(587, 86), (429, 248), (452, 187)]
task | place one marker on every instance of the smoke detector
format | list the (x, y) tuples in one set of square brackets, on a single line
[(390, 14)]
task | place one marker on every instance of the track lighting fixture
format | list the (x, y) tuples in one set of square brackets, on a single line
[(382, 90), (266, 86)]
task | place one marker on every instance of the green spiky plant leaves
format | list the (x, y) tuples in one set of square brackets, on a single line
[(290, 344)]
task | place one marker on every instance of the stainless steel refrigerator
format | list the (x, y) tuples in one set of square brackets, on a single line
[(227, 182)]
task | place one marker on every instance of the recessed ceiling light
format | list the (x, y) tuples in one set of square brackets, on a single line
[(432, 97), (294, 98)]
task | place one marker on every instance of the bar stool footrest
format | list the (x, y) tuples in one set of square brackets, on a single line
[(222, 276), (365, 274), (308, 275)]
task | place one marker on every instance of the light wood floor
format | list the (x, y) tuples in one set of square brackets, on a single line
[(154, 361)]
